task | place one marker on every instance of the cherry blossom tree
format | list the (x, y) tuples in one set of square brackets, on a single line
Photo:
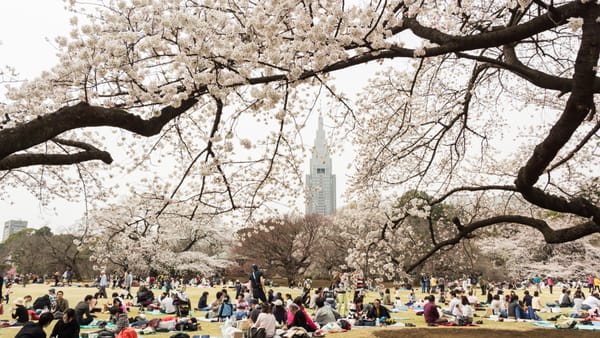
[(286, 246), (130, 236), (445, 123), (181, 87)]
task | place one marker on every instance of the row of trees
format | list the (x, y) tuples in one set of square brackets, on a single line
[(363, 236), (40, 252)]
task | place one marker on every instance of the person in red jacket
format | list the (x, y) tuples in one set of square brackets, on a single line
[(431, 313)]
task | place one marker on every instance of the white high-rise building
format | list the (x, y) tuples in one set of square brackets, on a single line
[(320, 182), (12, 226)]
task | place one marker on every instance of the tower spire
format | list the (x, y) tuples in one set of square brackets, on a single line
[(320, 182)]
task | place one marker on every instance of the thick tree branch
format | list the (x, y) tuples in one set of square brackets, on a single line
[(551, 235), (578, 106), (24, 160)]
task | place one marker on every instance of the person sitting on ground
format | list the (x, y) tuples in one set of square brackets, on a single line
[(378, 311), (166, 304), (116, 308), (19, 313), (454, 303), (324, 313), (565, 299), (412, 298), (299, 318), (357, 308), (309, 321), (203, 302), (42, 303), (67, 326), (215, 305), (279, 312), (145, 296), (591, 302), (472, 298), (52, 296), (498, 306), (254, 310), (536, 302), (36, 330), (266, 321), (431, 313), (387, 299), (467, 311), (82, 310), (516, 309), (241, 307), (121, 319), (27, 302), (28, 305), (62, 304), (313, 299), (578, 298)]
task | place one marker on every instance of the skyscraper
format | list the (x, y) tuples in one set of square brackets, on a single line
[(12, 226), (320, 182)]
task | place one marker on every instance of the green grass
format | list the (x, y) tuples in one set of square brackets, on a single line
[(75, 294)]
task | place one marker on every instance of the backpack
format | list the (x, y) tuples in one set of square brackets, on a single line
[(106, 334), (225, 310), (344, 324), (257, 333)]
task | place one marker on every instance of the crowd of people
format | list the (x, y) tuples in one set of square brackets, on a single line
[(314, 309)]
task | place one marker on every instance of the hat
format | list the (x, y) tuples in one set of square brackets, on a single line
[(19, 301), (278, 302), (51, 290)]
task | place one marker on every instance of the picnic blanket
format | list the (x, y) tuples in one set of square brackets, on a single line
[(552, 325), (95, 326)]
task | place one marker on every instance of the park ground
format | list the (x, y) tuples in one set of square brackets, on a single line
[(489, 329)]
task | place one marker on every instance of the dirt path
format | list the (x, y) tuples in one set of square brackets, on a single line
[(450, 332)]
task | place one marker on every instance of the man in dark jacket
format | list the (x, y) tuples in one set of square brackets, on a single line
[(378, 311), (42, 302), (82, 311), (36, 330)]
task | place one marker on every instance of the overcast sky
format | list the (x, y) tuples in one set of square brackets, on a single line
[(27, 32), (27, 29)]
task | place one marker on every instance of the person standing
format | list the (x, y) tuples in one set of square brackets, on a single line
[(128, 284), (536, 281), (56, 278), (550, 283), (102, 285), (1, 285), (257, 281)]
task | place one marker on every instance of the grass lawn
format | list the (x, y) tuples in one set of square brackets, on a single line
[(487, 330)]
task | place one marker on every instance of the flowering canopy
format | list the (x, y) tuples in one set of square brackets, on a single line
[(180, 82)]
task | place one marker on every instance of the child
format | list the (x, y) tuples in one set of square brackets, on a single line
[(8, 292)]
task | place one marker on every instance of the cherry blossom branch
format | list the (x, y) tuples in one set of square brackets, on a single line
[(579, 105), (550, 235), (578, 147), (472, 188), (23, 160)]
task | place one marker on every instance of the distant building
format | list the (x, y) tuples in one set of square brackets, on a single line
[(12, 226), (320, 182)]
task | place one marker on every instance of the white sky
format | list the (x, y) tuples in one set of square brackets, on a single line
[(27, 29), (27, 32)]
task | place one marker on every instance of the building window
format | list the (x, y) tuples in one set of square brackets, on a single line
[(320, 170)]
